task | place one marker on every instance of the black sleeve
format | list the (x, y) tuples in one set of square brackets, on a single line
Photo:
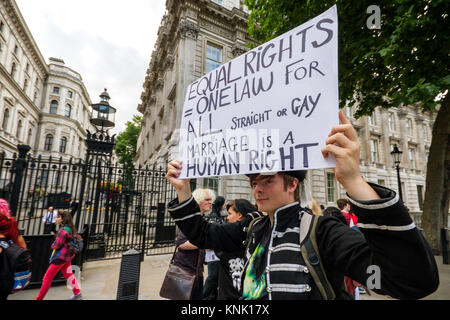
[(391, 247), (228, 237)]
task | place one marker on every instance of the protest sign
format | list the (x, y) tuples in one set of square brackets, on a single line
[(270, 109)]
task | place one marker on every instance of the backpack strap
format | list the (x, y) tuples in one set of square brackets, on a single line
[(248, 239), (310, 254)]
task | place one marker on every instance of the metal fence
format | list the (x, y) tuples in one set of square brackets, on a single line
[(125, 208)]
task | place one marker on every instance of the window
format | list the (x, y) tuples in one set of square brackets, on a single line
[(409, 127), (27, 68), (211, 183), (13, 69), (68, 110), (348, 112), (19, 130), (424, 132), (16, 49), (213, 57), (63, 145), (56, 90), (48, 142), (5, 120), (25, 85), (44, 177), (374, 150), (381, 182), (331, 187), (54, 107), (70, 94), (2, 26), (30, 134), (391, 122), (372, 119), (420, 196), (412, 163), (56, 178)]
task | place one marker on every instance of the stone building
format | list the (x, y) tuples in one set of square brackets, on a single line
[(42, 105), (197, 36)]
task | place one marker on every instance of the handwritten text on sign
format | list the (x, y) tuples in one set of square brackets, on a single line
[(270, 109)]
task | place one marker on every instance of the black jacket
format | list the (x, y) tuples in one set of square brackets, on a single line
[(391, 244)]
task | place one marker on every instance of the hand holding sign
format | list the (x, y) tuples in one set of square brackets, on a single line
[(182, 186), (343, 143)]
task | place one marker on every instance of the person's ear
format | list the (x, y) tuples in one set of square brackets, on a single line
[(293, 185)]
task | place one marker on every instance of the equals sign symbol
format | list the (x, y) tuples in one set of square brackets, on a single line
[(188, 113)]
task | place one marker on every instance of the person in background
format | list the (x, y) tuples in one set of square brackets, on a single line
[(188, 255), (10, 229), (232, 264), (213, 262), (8, 232), (335, 212), (344, 206), (50, 220), (352, 287), (315, 208), (61, 257)]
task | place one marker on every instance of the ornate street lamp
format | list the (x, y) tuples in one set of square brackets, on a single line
[(103, 115), (100, 147), (396, 156)]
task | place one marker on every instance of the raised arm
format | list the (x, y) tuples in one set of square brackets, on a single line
[(343, 143)]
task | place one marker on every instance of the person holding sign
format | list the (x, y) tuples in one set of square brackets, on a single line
[(292, 254)]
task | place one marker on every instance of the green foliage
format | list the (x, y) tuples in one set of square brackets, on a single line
[(406, 60), (126, 141)]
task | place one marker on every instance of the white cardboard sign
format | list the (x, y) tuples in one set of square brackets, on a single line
[(270, 109)]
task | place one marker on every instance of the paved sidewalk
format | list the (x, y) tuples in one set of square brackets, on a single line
[(100, 280)]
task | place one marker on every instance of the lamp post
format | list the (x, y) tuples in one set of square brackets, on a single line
[(396, 155), (99, 144)]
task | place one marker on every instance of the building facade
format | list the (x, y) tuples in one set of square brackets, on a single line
[(45, 106), (197, 36)]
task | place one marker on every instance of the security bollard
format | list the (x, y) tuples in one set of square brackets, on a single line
[(130, 270)]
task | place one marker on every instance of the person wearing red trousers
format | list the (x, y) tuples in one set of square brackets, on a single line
[(61, 257)]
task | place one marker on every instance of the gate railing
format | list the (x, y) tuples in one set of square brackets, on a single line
[(122, 205)]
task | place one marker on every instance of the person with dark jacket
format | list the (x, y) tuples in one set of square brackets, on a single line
[(212, 281), (232, 263), (274, 267)]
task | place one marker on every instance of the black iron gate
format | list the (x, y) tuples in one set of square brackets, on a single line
[(123, 208)]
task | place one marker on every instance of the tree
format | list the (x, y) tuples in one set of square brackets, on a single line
[(405, 62), (126, 142)]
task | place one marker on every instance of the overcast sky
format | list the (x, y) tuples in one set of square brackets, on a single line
[(109, 42)]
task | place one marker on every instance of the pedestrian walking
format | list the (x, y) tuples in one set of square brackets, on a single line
[(61, 257), (292, 254), (50, 220)]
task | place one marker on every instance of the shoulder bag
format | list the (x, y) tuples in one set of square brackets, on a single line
[(178, 283)]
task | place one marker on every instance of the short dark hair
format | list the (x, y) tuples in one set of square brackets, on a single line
[(335, 212), (342, 203), (242, 206)]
